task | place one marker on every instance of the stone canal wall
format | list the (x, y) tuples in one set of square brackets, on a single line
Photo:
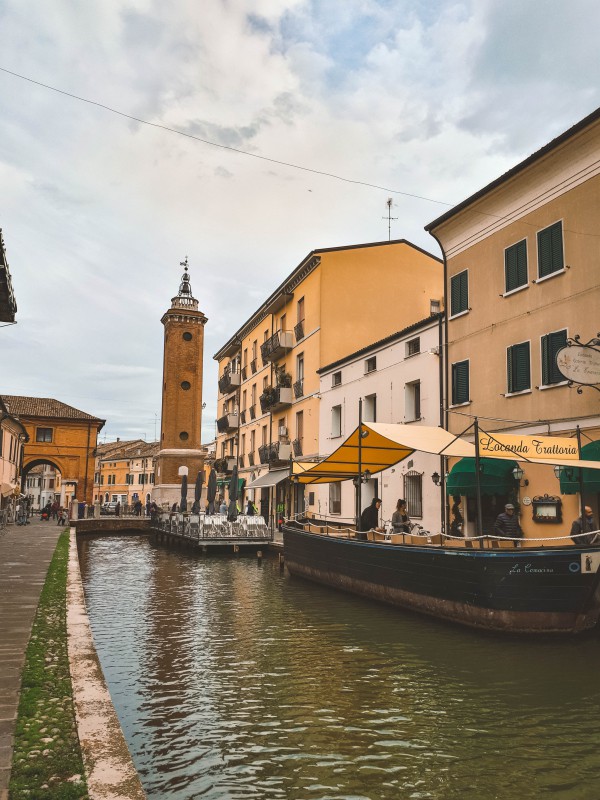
[(116, 525)]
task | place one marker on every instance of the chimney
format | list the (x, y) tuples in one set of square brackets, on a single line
[(118, 440)]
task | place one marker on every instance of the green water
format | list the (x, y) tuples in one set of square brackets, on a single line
[(233, 680)]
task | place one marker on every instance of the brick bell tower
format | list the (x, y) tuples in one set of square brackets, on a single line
[(181, 421)]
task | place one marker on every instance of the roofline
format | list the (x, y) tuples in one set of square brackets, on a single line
[(306, 264), (563, 137), (423, 323)]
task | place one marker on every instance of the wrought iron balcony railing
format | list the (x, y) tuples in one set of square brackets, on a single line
[(276, 346), (243, 416), (227, 423), (229, 381), (276, 398), (244, 373), (274, 452), (250, 459), (299, 330), (254, 365), (252, 411), (225, 464), (297, 447), (299, 388)]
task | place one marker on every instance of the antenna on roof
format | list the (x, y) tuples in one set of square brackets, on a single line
[(389, 218)]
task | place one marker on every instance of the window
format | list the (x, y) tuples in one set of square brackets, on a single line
[(282, 322), (254, 349), (245, 358), (413, 346), (243, 444), (300, 310), (252, 441), (413, 493), (253, 394), (264, 434), (43, 434), (336, 379), (550, 250), (518, 368), (151, 477), (460, 383), (244, 393), (459, 293), (300, 367), (435, 306), (551, 344), (299, 432), (335, 498), (265, 336), (336, 421), (370, 408), (187, 336), (412, 401), (371, 364), (515, 266), (265, 382)]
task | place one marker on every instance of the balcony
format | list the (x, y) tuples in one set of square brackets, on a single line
[(244, 373), (275, 398), (229, 381), (254, 365), (297, 447), (299, 388), (227, 423), (299, 330), (277, 346), (275, 452), (243, 416), (250, 459), (225, 464), (252, 411)]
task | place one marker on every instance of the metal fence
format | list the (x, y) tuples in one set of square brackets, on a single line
[(212, 527)]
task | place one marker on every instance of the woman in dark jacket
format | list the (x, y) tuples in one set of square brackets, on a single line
[(400, 520), (456, 526)]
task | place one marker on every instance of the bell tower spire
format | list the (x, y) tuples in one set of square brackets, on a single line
[(181, 421)]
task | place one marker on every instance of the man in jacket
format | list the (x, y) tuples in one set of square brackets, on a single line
[(588, 529), (369, 519), (507, 524)]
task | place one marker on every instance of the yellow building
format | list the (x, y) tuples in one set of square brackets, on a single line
[(125, 471), (334, 302), (521, 278)]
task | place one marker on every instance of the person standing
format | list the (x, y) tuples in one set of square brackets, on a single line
[(400, 519), (586, 532), (250, 508), (507, 525), (118, 509)]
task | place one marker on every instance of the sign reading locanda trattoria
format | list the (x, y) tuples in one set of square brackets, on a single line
[(580, 363)]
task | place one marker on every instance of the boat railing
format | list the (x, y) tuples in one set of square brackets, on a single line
[(419, 536)]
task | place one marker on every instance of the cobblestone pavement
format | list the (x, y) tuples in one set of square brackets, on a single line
[(25, 554)]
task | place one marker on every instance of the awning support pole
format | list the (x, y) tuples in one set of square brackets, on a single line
[(478, 483), (580, 473), (359, 476)]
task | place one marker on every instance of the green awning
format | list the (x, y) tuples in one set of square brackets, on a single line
[(569, 476), (496, 477), (226, 481)]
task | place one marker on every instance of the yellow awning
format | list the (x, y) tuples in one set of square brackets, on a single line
[(382, 446), (386, 444)]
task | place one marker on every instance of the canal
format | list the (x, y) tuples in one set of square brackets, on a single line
[(233, 680)]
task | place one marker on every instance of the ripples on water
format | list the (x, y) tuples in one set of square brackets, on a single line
[(232, 680)]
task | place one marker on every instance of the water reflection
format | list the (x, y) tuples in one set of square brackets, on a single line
[(232, 680)]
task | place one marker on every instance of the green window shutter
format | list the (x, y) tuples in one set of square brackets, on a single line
[(460, 382), (519, 367), (551, 344), (550, 250), (459, 293), (515, 266)]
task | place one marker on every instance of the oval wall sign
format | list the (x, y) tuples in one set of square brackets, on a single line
[(579, 364)]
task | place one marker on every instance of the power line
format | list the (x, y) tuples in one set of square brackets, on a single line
[(222, 146)]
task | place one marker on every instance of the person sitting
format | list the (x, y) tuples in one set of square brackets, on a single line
[(507, 525), (250, 508), (586, 533), (369, 519), (456, 526), (400, 519)]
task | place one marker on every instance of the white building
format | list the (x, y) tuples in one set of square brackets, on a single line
[(398, 380)]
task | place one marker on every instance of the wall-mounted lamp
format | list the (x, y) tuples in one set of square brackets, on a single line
[(436, 478), (518, 474)]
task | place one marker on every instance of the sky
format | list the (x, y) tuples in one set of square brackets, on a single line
[(423, 98)]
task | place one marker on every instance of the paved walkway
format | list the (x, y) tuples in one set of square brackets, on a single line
[(25, 554)]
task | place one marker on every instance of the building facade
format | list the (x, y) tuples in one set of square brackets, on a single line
[(181, 420), (13, 437), (522, 277), (336, 301), (60, 436), (125, 471), (398, 381)]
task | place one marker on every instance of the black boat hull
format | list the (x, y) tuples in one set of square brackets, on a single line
[(547, 590)]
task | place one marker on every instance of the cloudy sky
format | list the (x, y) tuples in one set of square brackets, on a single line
[(422, 97)]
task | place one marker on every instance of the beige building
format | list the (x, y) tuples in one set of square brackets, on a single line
[(522, 276), (12, 440), (336, 301)]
